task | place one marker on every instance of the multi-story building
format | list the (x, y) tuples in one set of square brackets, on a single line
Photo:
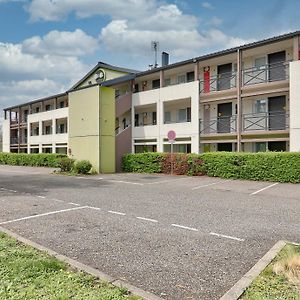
[(240, 99)]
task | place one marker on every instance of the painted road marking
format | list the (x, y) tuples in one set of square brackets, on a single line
[(265, 188), (42, 215), (147, 219), (95, 208), (57, 200), (72, 203), (42, 197), (127, 182), (227, 236), (165, 181), (209, 184), (184, 227), (116, 213)]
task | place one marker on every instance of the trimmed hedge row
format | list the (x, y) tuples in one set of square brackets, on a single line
[(266, 166), (33, 160)]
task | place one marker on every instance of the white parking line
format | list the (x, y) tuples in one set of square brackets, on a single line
[(95, 208), (116, 213), (227, 236), (42, 197), (265, 188), (209, 184), (42, 215), (72, 203), (184, 227), (147, 219), (57, 200), (127, 182), (165, 181)]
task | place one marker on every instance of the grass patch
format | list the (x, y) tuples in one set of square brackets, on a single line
[(27, 273), (280, 280)]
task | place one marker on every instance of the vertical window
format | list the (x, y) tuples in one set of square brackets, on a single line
[(260, 147), (181, 79), (154, 121), (182, 117), (61, 104), (188, 114), (260, 106), (136, 120), (167, 81), (167, 117), (260, 63), (190, 76), (156, 84)]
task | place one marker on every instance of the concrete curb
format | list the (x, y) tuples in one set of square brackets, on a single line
[(82, 267), (238, 289)]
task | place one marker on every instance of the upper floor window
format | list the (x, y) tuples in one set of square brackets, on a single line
[(61, 104), (260, 63), (167, 81), (260, 106), (156, 84), (181, 78), (190, 76), (48, 107)]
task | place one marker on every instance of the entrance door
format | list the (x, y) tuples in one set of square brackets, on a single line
[(224, 117), (276, 66), (277, 114), (225, 147), (224, 77)]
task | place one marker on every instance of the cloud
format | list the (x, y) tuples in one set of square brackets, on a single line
[(55, 10), (63, 43), (215, 21), (207, 5)]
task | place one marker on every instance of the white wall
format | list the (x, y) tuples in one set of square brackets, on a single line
[(295, 106), (6, 135)]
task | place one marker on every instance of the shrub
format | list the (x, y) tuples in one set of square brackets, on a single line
[(66, 164), (83, 166), (33, 160), (268, 166)]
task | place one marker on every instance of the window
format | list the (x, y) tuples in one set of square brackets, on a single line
[(48, 129), (61, 104), (260, 106), (136, 88), (167, 117), (37, 109), (178, 148), (188, 114), (154, 118), (260, 147), (136, 120), (182, 115), (117, 93), (181, 79), (61, 128), (156, 84), (260, 63), (167, 81), (48, 107), (190, 76)]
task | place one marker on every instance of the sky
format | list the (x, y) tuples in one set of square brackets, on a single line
[(48, 45)]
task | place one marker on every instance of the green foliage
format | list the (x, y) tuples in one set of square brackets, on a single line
[(26, 273), (66, 164), (266, 166), (33, 160), (149, 162), (83, 167)]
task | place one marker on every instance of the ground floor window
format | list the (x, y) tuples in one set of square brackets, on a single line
[(145, 148), (178, 148), (47, 150), (61, 150), (34, 150), (225, 147), (270, 146)]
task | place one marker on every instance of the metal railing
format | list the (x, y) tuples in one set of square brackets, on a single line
[(266, 121), (218, 125), (266, 73), (14, 140), (218, 82)]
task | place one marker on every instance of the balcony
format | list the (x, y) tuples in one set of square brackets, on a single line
[(271, 121), (14, 140), (218, 82), (219, 125), (266, 73)]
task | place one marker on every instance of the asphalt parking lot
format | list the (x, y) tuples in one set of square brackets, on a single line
[(175, 236)]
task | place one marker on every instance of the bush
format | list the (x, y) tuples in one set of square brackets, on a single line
[(66, 164), (267, 166), (33, 160), (83, 167)]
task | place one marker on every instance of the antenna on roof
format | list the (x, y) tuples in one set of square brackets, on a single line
[(155, 48)]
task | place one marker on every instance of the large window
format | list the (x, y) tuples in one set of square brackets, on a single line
[(260, 106), (178, 148), (167, 117)]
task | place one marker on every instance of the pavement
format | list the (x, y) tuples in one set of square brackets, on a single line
[(175, 236)]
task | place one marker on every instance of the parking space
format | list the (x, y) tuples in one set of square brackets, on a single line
[(176, 236)]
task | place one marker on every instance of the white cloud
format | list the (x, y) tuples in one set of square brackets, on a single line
[(54, 10), (207, 5), (215, 21), (63, 43)]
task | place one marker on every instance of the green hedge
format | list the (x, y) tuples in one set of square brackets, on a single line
[(33, 160), (267, 166)]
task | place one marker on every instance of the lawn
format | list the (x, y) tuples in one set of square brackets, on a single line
[(27, 273), (280, 280)]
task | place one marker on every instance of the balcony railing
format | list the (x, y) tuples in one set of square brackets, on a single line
[(218, 82), (266, 121), (14, 140), (266, 73), (218, 125)]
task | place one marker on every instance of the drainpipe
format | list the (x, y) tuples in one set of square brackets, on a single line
[(239, 101)]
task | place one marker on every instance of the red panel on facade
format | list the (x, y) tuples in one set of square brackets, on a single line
[(206, 77)]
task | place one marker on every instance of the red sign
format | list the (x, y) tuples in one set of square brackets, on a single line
[(171, 135), (206, 76)]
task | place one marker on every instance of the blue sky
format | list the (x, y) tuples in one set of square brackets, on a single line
[(47, 45)]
